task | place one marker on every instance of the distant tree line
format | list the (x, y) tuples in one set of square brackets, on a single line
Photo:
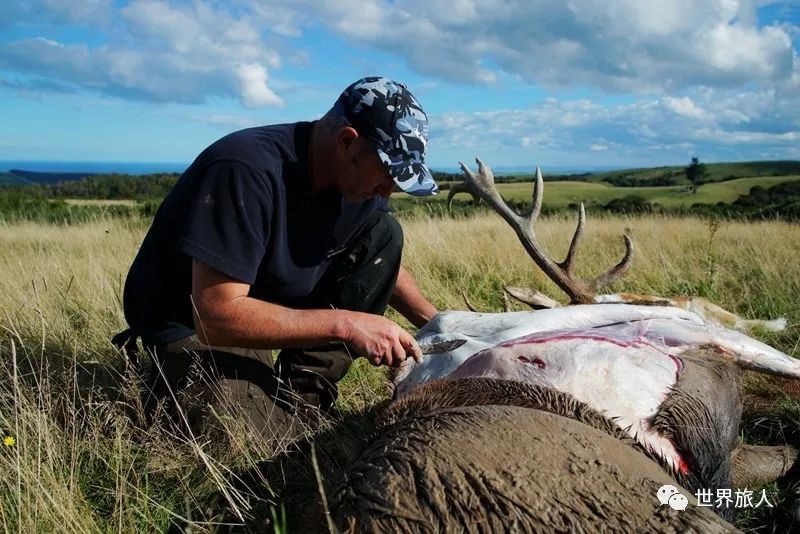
[(46, 202), (101, 186), (17, 207), (627, 180), (697, 173), (779, 201)]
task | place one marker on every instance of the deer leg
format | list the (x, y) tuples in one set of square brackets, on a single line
[(756, 465), (534, 299), (710, 311)]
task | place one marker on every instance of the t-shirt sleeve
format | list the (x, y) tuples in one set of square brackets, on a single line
[(228, 225)]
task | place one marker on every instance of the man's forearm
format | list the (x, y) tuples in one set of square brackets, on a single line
[(248, 322), (226, 316), (409, 300)]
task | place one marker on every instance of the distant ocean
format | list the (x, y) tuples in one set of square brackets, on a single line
[(127, 167), (94, 167)]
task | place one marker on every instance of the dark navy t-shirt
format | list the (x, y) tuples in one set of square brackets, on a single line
[(245, 208)]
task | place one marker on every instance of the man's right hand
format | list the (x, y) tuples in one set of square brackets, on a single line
[(379, 340)]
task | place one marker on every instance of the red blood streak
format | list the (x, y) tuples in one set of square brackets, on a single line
[(538, 361), (682, 466), (538, 338), (678, 366)]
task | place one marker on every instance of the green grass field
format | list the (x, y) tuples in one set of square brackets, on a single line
[(716, 172), (83, 463), (561, 194)]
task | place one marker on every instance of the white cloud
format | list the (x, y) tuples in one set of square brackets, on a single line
[(685, 106), (92, 11), (714, 124), (253, 83), (162, 52), (627, 45), (697, 73)]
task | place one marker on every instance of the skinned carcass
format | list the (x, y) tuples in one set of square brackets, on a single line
[(569, 419), (664, 376)]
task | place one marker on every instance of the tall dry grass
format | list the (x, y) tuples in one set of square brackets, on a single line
[(750, 268), (84, 462)]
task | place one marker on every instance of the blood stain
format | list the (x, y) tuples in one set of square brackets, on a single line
[(536, 361)]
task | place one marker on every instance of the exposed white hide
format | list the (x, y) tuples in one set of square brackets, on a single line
[(485, 330), (621, 360)]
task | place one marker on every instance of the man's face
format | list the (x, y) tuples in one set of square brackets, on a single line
[(364, 175)]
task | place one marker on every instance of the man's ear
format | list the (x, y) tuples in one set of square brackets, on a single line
[(345, 140)]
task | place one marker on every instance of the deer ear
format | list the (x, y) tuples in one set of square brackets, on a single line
[(533, 298)]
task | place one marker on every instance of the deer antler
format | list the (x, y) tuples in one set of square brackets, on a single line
[(456, 189), (579, 291)]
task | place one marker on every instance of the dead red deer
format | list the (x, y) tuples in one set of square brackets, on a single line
[(666, 377), (565, 419)]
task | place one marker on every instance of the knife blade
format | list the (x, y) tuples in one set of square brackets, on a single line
[(441, 346)]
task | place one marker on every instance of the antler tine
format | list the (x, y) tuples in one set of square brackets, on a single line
[(454, 190), (538, 191), (482, 184), (579, 291), (618, 270), (576, 237), (468, 303)]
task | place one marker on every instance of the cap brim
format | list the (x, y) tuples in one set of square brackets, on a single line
[(413, 178)]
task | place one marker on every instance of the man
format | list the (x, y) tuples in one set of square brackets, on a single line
[(279, 237)]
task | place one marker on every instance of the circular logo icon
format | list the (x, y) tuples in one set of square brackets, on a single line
[(665, 492), (678, 502)]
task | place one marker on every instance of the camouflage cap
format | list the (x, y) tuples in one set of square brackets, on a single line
[(385, 112)]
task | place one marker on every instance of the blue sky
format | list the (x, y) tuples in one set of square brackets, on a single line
[(575, 84)]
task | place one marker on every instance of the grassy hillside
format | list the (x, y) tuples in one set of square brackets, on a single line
[(6, 178), (561, 194), (127, 197), (717, 172), (672, 175)]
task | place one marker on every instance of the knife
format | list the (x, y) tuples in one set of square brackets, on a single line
[(441, 346)]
